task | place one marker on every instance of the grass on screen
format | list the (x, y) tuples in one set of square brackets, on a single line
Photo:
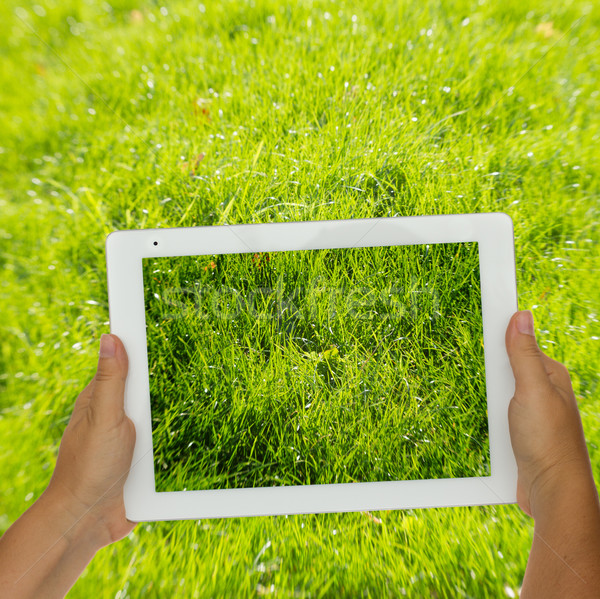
[(134, 114), (316, 366)]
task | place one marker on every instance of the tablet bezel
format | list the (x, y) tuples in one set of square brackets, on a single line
[(494, 234)]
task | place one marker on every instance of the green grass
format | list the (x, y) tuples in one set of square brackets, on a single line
[(316, 367), (301, 112)]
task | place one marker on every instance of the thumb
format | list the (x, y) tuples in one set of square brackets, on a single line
[(526, 358), (109, 382)]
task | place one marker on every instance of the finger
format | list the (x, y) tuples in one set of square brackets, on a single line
[(557, 373), (109, 382), (83, 400), (526, 358)]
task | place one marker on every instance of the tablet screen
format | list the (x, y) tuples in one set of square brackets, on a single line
[(316, 366)]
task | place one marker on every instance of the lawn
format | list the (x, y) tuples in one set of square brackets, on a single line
[(316, 367), (124, 114)]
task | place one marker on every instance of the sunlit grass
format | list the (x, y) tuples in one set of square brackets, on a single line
[(120, 115), (316, 367)]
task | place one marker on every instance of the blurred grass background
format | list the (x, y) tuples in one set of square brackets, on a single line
[(128, 114)]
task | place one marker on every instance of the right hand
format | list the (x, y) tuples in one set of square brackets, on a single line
[(545, 426)]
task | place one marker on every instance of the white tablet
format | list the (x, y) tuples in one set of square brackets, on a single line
[(321, 366)]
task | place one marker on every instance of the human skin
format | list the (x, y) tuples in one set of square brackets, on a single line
[(46, 549), (43, 553), (555, 481)]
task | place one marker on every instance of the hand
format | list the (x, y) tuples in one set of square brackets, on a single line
[(47, 548), (96, 449), (545, 426)]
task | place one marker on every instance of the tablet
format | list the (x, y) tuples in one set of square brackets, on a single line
[(323, 366)]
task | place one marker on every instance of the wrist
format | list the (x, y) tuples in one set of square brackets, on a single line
[(76, 523), (47, 548), (561, 490)]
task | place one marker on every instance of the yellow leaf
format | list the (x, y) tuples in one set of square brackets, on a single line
[(547, 29), (330, 353)]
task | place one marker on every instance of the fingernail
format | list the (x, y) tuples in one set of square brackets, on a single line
[(525, 322), (108, 347)]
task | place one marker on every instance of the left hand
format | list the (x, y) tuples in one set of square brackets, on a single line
[(96, 449)]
